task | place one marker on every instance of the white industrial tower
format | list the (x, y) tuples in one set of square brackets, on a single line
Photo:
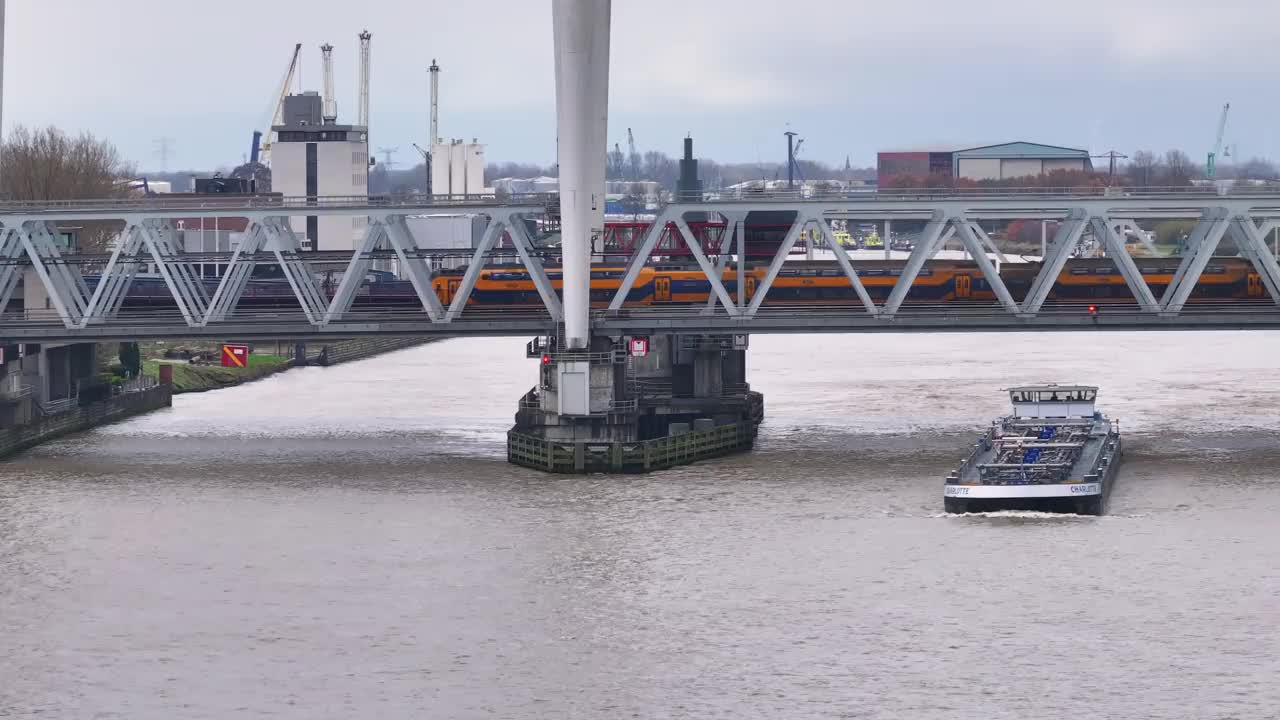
[(366, 40), (433, 136), (330, 102), (582, 109)]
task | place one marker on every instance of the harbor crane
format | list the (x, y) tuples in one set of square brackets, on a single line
[(634, 157), (1211, 165), (792, 149), (795, 160), (426, 161), (260, 151)]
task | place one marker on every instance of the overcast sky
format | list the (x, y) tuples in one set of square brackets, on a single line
[(849, 76)]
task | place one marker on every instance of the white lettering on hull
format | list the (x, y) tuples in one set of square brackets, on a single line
[(994, 492)]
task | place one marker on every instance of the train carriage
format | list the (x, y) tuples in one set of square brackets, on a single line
[(797, 283)]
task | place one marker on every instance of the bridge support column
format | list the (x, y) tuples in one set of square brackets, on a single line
[(582, 108), (684, 399)]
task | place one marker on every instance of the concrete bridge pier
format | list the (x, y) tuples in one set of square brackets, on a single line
[(653, 402)]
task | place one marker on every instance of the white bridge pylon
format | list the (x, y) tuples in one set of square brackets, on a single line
[(941, 227)]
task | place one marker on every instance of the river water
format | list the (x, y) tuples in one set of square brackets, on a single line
[(349, 542)]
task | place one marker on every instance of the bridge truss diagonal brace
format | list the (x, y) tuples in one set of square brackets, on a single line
[(987, 242), (641, 256), (1144, 238), (842, 257), (288, 252), (116, 278), (1200, 247), (775, 266), (695, 248), (67, 290), (353, 276), (1064, 242), (964, 228), (1252, 242), (1104, 228), (417, 268), (734, 223), (931, 241), (524, 245), (469, 278), (11, 248), (236, 277), (179, 276)]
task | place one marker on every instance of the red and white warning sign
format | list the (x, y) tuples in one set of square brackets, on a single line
[(639, 346), (235, 356)]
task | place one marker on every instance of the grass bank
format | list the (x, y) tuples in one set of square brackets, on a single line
[(211, 376), (199, 378)]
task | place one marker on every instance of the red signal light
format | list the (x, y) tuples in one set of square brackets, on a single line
[(1093, 309), (546, 359)]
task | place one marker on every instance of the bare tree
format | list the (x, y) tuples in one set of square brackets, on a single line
[(1257, 169), (1144, 168), (494, 171), (48, 164), (1179, 168), (660, 167), (616, 167)]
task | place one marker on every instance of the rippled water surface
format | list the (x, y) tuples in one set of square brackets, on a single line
[(349, 542)]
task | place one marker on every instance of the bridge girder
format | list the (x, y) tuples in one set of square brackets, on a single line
[(149, 237)]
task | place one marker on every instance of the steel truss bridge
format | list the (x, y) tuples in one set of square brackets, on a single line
[(29, 232)]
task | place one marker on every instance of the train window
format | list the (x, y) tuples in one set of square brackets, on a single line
[(789, 272), (1080, 271), (895, 272), (871, 273), (1103, 271), (1215, 269), (925, 272)]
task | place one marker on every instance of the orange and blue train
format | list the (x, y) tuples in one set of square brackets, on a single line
[(798, 283)]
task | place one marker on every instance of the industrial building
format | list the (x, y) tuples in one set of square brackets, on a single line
[(313, 156), (457, 168), (987, 162)]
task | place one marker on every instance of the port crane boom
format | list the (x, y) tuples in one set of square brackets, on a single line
[(1211, 166), (261, 150), (634, 158)]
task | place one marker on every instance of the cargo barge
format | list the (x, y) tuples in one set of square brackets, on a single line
[(1055, 453)]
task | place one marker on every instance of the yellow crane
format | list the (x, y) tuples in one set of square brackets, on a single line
[(261, 149)]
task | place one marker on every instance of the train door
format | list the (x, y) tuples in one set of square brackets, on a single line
[(662, 288), (751, 286), (964, 286), (1255, 285), (454, 284)]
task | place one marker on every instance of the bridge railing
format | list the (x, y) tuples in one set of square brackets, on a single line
[(872, 194), (551, 200), (267, 202)]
